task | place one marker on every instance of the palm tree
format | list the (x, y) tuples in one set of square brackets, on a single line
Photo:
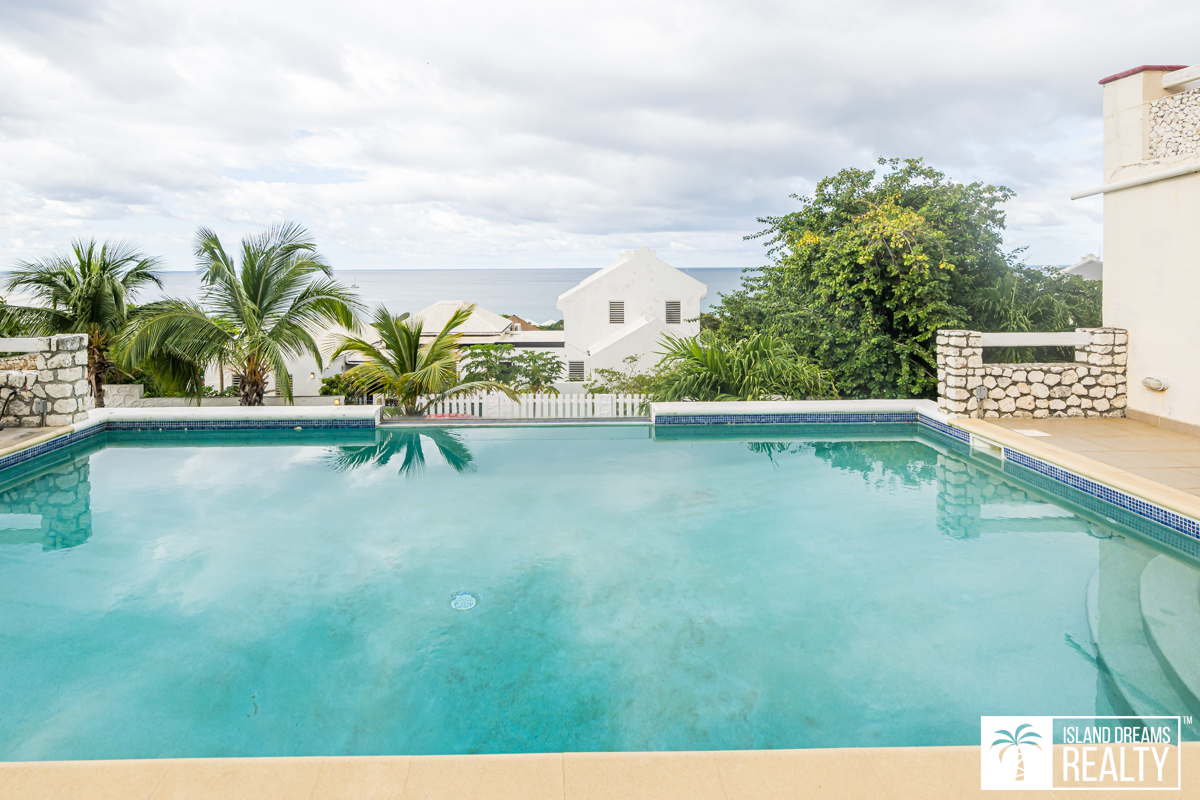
[(1016, 740), (89, 291), (252, 317), (705, 367), (412, 376)]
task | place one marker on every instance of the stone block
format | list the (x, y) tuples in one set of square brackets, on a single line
[(81, 388), (1120, 359), (69, 341), (1052, 379), (1107, 379), (1041, 413), (1020, 376), (60, 360), (1058, 405), (957, 394), (1036, 376), (1039, 390), (81, 358), (58, 420), (1096, 391), (59, 390), (1023, 388), (956, 362), (1008, 405), (1102, 338), (68, 405), (1085, 402), (973, 382), (1070, 376), (1119, 401), (996, 394), (1023, 414), (1004, 381), (1120, 338), (957, 381), (71, 374), (1013, 391), (1099, 360), (991, 415), (45, 375), (1101, 404), (1060, 391), (990, 381), (1110, 392), (1025, 401), (975, 361), (1088, 381)]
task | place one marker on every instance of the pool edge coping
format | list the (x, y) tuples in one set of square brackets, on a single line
[(857, 772)]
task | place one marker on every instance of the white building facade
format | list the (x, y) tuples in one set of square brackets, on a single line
[(624, 309), (1152, 236)]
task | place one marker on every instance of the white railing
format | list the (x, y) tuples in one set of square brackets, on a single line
[(542, 406)]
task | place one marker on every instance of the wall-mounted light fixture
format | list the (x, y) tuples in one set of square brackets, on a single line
[(312, 375), (1156, 384)]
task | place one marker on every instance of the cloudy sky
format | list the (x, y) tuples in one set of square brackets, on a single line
[(528, 134)]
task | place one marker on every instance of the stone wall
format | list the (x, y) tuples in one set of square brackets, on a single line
[(1093, 385), (56, 392), (1175, 124)]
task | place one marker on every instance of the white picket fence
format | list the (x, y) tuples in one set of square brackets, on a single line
[(543, 406)]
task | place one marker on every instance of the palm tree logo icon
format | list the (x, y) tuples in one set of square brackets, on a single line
[(1010, 740)]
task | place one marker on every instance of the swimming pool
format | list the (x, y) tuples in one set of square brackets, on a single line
[(293, 593)]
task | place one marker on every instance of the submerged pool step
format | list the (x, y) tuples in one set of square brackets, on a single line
[(1170, 602), (1115, 618)]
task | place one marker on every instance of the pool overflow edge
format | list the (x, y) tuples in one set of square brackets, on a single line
[(1013, 461)]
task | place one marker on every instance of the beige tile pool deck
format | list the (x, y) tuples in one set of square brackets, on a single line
[(1163, 456), (1160, 465), (896, 773)]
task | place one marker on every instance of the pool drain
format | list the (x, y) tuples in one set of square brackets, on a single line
[(462, 601)]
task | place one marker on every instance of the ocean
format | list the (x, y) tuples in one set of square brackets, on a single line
[(527, 293)]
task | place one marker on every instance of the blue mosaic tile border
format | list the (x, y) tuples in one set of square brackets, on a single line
[(235, 424), (1123, 500), (30, 453), (1071, 496), (785, 419), (941, 427)]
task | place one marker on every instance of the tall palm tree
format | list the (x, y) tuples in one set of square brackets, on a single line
[(89, 291), (1017, 739), (408, 373), (252, 317)]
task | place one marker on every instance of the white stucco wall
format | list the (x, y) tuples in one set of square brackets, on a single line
[(644, 283), (300, 367), (1151, 255)]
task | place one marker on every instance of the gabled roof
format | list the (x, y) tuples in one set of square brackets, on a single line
[(481, 322), (1082, 264), (625, 257)]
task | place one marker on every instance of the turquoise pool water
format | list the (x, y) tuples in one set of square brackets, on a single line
[(245, 594)]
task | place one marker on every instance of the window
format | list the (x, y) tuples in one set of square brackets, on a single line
[(616, 312), (672, 312), (574, 370)]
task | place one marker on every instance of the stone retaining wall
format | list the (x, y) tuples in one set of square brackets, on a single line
[(1092, 386), (1175, 124), (129, 395), (56, 392)]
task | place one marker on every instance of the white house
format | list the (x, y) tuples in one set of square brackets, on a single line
[(1090, 268), (624, 310)]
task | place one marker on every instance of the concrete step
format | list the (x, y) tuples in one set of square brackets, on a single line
[(1170, 602), (1115, 618)]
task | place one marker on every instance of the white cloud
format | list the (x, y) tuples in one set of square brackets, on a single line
[(541, 134)]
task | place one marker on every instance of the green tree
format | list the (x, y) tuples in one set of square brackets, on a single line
[(251, 316), (868, 269), (89, 291), (762, 367), (1030, 300), (412, 375), (525, 371), (631, 380)]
